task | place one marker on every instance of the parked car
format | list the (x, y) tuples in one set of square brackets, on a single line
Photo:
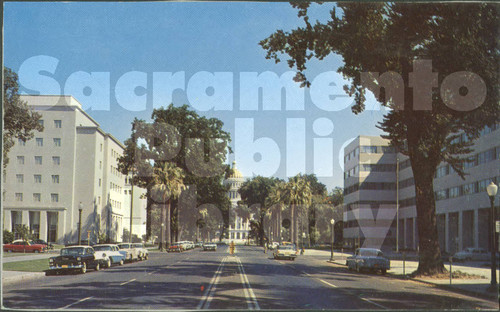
[(175, 247), (198, 245), (48, 246), (368, 259), (132, 253), (187, 245), (24, 246), (288, 251), (210, 246), (75, 259), (472, 254), (112, 252), (143, 252)]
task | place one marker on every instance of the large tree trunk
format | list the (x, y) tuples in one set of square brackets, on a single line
[(163, 213), (149, 208), (167, 224)]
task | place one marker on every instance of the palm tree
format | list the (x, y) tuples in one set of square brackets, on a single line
[(276, 199), (167, 184), (297, 193)]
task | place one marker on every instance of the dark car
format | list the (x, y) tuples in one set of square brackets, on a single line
[(368, 259), (49, 246), (74, 259)]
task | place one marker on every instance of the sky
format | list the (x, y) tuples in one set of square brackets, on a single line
[(122, 60)]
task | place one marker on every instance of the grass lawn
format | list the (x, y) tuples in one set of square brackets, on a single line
[(27, 266)]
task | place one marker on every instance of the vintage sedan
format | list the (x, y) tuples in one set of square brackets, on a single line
[(132, 252), (288, 251), (210, 246), (370, 259), (472, 254), (177, 247), (112, 252), (143, 252), (24, 246), (75, 259)]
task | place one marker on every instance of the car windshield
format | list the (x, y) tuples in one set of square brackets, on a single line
[(123, 246), (72, 251), (102, 248), (370, 253)]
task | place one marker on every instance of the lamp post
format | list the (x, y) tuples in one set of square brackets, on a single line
[(80, 208), (492, 192), (332, 222)]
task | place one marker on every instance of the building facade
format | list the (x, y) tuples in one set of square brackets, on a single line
[(239, 226), (71, 165), (462, 206)]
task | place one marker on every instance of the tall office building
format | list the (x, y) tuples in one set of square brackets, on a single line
[(71, 165), (371, 182)]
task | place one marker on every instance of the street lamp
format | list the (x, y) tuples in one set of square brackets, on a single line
[(332, 222), (492, 192), (80, 208)]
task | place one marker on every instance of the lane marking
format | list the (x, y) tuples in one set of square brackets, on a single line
[(127, 282), (306, 273), (79, 301), (325, 282), (209, 293), (247, 288), (374, 303)]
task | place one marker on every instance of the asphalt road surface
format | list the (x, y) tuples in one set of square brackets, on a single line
[(250, 279)]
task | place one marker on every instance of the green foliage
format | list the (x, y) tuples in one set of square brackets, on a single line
[(126, 237), (23, 231), (388, 37), (19, 121), (8, 237)]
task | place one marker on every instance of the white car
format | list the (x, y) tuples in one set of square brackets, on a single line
[(112, 252), (143, 252), (474, 254), (132, 252)]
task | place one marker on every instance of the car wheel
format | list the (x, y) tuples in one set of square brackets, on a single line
[(121, 262), (147, 256), (384, 271), (83, 270), (49, 273), (97, 266), (108, 263)]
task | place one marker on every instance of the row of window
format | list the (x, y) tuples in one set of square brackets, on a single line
[(115, 204), (57, 123), (369, 168), (37, 197), (369, 149), (115, 154), (39, 142), (56, 160), (456, 191), (472, 161), (379, 186), (115, 187), (37, 178), (115, 171), (233, 195)]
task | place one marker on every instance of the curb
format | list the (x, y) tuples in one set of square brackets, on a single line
[(442, 286), (21, 277)]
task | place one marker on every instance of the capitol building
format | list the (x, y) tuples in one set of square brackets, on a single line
[(239, 226)]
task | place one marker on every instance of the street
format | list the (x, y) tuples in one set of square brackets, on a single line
[(250, 279)]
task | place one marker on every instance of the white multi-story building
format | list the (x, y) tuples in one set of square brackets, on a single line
[(238, 226), (139, 209), (462, 206), (72, 164)]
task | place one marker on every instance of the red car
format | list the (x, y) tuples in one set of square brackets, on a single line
[(23, 246)]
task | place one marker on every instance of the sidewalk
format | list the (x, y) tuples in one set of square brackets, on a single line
[(399, 269)]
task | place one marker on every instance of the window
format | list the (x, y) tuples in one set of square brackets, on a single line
[(20, 178), (100, 164), (443, 194), (20, 160), (454, 191), (21, 142), (99, 200), (38, 160), (99, 182), (442, 171), (469, 188), (37, 197), (19, 197), (57, 142), (369, 149), (38, 178), (57, 123), (56, 160), (55, 179), (54, 198), (39, 141)]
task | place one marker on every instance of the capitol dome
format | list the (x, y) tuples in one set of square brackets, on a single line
[(235, 173)]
